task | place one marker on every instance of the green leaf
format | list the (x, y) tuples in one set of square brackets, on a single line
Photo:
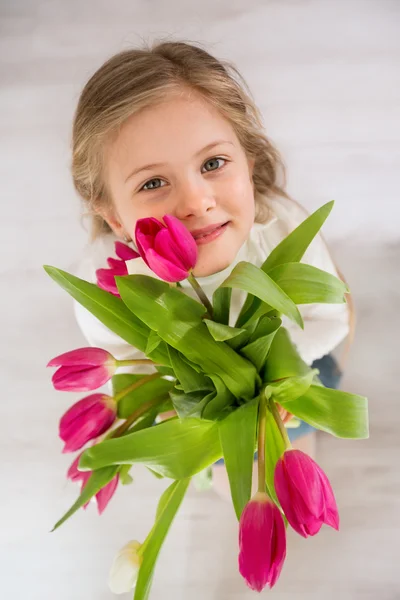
[(177, 318), (153, 341), (292, 387), (293, 247), (203, 480), (175, 448), (154, 388), (238, 439), (221, 333), (253, 280), (191, 404), (342, 414), (167, 509), (189, 378), (260, 342), (221, 305), (221, 399), (305, 284), (154, 473), (109, 309), (274, 448), (98, 479), (283, 359), (124, 476)]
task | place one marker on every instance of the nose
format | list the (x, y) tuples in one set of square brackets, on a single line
[(194, 199)]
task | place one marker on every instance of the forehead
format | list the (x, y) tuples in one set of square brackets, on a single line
[(174, 129)]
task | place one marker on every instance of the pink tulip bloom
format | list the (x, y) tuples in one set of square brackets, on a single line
[(169, 250), (106, 277), (83, 369), (87, 419), (305, 493), (262, 542), (104, 495)]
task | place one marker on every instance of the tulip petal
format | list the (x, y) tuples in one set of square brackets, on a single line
[(106, 281), (76, 379), (125, 568), (331, 516), (279, 550), (125, 252), (145, 232), (304, 477), (118, 266), (104, 496), (164, 268), (165, 246), (184, 239), (82, 356), (85, 420)]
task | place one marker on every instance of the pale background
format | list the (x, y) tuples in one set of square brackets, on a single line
[(326, 76)]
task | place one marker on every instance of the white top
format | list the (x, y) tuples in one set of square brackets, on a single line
[(325, 325)]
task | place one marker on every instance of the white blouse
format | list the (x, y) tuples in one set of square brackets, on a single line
[(325, 325)]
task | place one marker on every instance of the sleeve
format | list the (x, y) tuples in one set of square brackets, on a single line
[(325, 325)]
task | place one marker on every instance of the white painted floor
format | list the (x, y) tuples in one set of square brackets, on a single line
[(326, 75)]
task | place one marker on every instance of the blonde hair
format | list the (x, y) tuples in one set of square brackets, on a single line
[(138, 78)]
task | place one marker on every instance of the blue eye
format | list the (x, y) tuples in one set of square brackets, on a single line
[(214, 164), (152, 184)]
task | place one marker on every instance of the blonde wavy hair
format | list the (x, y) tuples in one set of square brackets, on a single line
[(139, 78)]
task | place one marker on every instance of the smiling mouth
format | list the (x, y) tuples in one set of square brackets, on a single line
[(208, 234)]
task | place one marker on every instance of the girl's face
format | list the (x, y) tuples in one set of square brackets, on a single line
[(183, 158)]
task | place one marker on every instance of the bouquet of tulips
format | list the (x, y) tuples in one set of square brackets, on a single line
[(227, 385)]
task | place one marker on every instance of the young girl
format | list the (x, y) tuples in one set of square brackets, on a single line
[(172, 130)]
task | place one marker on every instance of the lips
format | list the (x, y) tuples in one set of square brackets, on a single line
[(199, 233)]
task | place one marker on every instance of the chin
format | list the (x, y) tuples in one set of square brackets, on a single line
[(211, 267)]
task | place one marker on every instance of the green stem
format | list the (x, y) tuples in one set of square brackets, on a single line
[(141, 410), (279, 422), (202, 296), (262, 418), (135, 385), (134, 361)]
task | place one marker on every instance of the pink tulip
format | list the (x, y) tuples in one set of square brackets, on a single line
[(87, 419), (104, 495), (262, 542), (106, 277), (169, 250), (83, 369), (305, 493)]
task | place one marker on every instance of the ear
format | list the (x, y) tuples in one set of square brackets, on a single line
[(113, 221)]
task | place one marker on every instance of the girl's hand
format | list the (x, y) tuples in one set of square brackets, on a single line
[(284, 414), (167, 415)]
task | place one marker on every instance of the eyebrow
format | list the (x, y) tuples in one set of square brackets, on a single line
[(153, 165)]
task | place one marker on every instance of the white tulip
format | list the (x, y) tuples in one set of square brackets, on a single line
[(125, 568)]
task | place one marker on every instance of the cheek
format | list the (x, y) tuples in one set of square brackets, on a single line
[(240, 198)]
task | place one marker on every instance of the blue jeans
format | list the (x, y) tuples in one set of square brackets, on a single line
[(330, 375)]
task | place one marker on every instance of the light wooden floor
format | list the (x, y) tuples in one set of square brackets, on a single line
[(326, 74)]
